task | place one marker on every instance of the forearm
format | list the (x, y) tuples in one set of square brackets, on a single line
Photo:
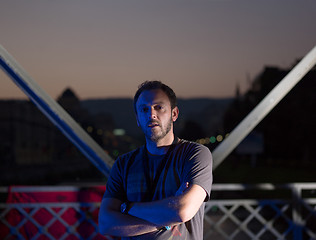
[(113, 222), (118, 224), (170, 211), (164, 212)]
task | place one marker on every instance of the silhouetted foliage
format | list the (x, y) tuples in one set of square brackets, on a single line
[(289, 129)]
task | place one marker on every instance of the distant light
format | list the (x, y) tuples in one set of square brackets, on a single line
[(119, 132), (100, 132), (90, 129), (219, 138), (116, 153), (207, 140), (202, 141), (227, 134), (212, 139)]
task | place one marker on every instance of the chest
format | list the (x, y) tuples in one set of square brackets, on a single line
[(158, 179)]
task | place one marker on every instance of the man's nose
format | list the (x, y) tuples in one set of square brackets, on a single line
[(153, 113)]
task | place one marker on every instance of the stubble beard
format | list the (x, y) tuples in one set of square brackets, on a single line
[(156, 137)]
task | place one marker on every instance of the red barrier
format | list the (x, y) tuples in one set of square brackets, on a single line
[(52, 212)]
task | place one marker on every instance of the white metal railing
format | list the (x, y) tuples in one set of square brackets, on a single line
[(55, 113), (287, 212), (290, 215)]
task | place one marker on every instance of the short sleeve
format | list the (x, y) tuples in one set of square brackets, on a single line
[(115, 184), (198, 167)]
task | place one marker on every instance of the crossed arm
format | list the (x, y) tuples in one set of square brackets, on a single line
[(146, 217)]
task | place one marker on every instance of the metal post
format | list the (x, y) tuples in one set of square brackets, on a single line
[(296, 211)]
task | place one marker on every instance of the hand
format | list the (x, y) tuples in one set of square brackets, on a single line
[(182, 188)]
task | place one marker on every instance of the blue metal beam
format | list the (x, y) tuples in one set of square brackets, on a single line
[(66, 124)]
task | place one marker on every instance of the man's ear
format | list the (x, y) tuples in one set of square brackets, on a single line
[(175, 113)]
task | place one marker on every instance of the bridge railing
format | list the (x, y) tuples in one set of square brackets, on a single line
[(235, 211), (262, 211)]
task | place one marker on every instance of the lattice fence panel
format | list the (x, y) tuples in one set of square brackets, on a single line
[(234, 219), (50, 221), (308, 211), (253, 219)]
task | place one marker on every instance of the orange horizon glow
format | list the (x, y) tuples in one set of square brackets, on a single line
[(105, 49)]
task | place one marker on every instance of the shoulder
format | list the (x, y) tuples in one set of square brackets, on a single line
[(189, 146), (130, 156), (193, 152)]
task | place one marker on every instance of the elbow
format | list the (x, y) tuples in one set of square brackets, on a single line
[(102, 228), (184, 215), (183, 212), (103, 225), (102, 231)]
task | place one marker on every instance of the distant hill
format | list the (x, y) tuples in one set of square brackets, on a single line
[(206, 112), (120, 109)]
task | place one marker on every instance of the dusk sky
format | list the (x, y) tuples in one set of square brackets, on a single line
[(106, 48)]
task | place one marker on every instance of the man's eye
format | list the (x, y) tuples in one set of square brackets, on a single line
[(158, 107), (144, 110)]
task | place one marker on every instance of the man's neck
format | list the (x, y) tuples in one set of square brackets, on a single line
[(160, 147)]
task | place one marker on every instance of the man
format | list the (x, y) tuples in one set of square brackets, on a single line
[(158, 190)]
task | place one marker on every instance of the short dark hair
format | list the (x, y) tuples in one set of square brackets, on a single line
[(152, 85)]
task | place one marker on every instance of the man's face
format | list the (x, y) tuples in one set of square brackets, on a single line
[(155, 116)]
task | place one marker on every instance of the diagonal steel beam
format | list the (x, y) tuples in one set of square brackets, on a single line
[(66, 124), (263, 108)]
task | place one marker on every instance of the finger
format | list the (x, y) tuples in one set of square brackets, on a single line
[(182, 188)]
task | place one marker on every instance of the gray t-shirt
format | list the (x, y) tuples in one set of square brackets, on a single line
[(186, 162)]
